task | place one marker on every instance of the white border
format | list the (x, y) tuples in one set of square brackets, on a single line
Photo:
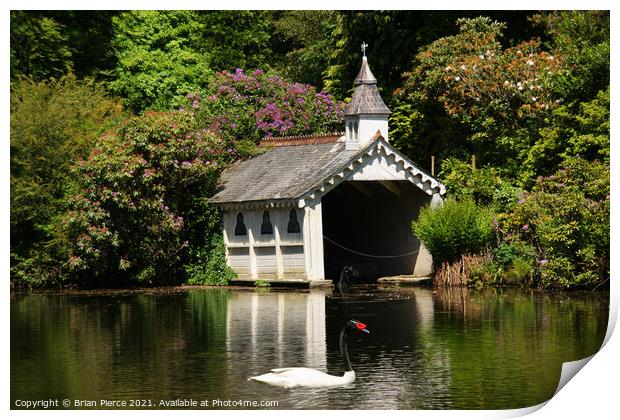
[(592, 394)]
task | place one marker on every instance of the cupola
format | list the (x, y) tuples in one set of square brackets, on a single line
[(366, 113)]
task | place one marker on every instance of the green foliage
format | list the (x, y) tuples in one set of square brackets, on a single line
[(159, 58), (456, 228), (210, 266), (582, 38), (261, 283), (235, 38), (39, 47), (566, 219), (462, 181), (395, 37), (483, 98), (514, 262), (52, 124), (303, 43), (141, 198), (575, 129)]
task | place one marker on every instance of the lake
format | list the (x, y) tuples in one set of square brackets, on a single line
[(449, 349)]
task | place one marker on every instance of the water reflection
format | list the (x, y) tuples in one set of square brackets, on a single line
[(283, 328), (456, 348)]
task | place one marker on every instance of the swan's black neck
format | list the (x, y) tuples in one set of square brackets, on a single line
[(344, 352)]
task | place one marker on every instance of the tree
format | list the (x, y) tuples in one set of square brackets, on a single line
[(159, 58), (575, 129), (235, 38), (302, 44), (582, 38), (89, 35), (395, 38), (53, 123), (39, 47), (164, 55), (493, 99)]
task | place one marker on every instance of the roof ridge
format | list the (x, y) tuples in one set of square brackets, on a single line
[(302, 136), (303, 139)]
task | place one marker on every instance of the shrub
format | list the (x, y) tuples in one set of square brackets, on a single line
[(454, 229), (210, 266), (140, 210), (566, 219), (462, 181), (249, 106)]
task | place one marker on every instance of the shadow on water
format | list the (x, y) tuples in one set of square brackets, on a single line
[(451, 348)]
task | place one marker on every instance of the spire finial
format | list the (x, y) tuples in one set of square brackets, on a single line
[(364, 46)]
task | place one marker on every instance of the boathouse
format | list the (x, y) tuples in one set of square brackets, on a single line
[(311, 205)]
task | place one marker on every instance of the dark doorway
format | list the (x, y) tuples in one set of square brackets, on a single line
[(364, 222)]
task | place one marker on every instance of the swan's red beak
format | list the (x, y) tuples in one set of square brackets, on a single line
[(362, 327)]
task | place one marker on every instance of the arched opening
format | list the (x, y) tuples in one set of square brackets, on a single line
[(240, 229), (266, 228), (293, 224)]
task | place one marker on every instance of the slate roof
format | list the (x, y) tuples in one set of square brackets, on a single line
[(365, 75), (284, 172), (366, 98)]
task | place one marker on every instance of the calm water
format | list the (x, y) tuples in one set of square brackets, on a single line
[(451, 349)]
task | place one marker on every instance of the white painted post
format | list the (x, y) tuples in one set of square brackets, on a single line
[(313, 240), (307, 241), (276, 234), (226, 218), (253, 271)]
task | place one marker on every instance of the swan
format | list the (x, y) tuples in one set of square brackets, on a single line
[(300, 376)]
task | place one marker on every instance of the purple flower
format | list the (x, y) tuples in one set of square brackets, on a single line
[(525, 227), (543, 261)]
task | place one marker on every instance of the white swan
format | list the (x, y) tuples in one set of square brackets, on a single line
[(299, 376)]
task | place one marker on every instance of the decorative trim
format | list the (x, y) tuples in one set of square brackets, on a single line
[(379, 147)]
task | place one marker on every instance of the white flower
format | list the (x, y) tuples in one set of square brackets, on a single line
[(550, 58), (448, 68), (457, 78), (481, 56), (506, 82), (534, 98), (463, 67), (530, 62)]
